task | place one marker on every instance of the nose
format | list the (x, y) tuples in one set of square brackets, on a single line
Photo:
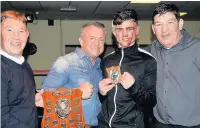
[(16, 35), (96, 42), (165, 28), (124, 32)]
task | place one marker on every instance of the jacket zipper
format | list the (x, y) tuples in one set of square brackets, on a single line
[(110, 121)]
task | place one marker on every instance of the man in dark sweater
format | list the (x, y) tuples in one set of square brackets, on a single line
[(17, 80), (178, 63)]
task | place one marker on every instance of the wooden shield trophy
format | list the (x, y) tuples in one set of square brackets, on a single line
[(114, 73), (63, 109)]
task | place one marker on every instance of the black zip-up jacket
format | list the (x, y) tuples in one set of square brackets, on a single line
[(123, 108)]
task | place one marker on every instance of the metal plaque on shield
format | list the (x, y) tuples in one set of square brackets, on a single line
[(114, 73)]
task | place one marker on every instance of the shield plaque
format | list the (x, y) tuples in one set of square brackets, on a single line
[(114, 73), (61, 109)]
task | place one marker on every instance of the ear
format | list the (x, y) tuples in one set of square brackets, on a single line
[(138, 30), (80, 41), (153, 29), (113, 31), (181, 22), (27, 34)]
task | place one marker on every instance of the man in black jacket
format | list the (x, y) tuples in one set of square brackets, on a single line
[(18, 109), (124, 95)]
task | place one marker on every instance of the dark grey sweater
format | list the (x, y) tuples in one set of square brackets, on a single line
[(18, 108), (178, 81)]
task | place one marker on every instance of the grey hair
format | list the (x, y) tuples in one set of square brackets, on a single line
[(95, 24)]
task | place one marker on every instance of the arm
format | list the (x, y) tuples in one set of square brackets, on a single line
[(38, 98), (197, 60), (144, 91), (57, 76), (7, 119), (103, 88)]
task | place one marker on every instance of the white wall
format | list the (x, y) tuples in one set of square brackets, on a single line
[(193, 27), (51, 40), (48, 42)]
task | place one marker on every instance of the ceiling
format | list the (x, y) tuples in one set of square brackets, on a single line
[(93, 9)]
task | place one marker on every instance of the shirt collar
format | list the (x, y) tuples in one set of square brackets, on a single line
[(17, 60), (82, 54), (128, 50)]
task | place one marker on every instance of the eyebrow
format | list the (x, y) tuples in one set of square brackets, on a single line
[(126, 27), (157, 22), (7, 27), (172, 19), (11, 27), (130, 27)]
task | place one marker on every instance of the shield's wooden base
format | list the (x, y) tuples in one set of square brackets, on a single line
[(63, 109)]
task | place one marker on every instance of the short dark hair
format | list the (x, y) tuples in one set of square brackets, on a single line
[(95, 24), (123, 15), (162, 8)]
